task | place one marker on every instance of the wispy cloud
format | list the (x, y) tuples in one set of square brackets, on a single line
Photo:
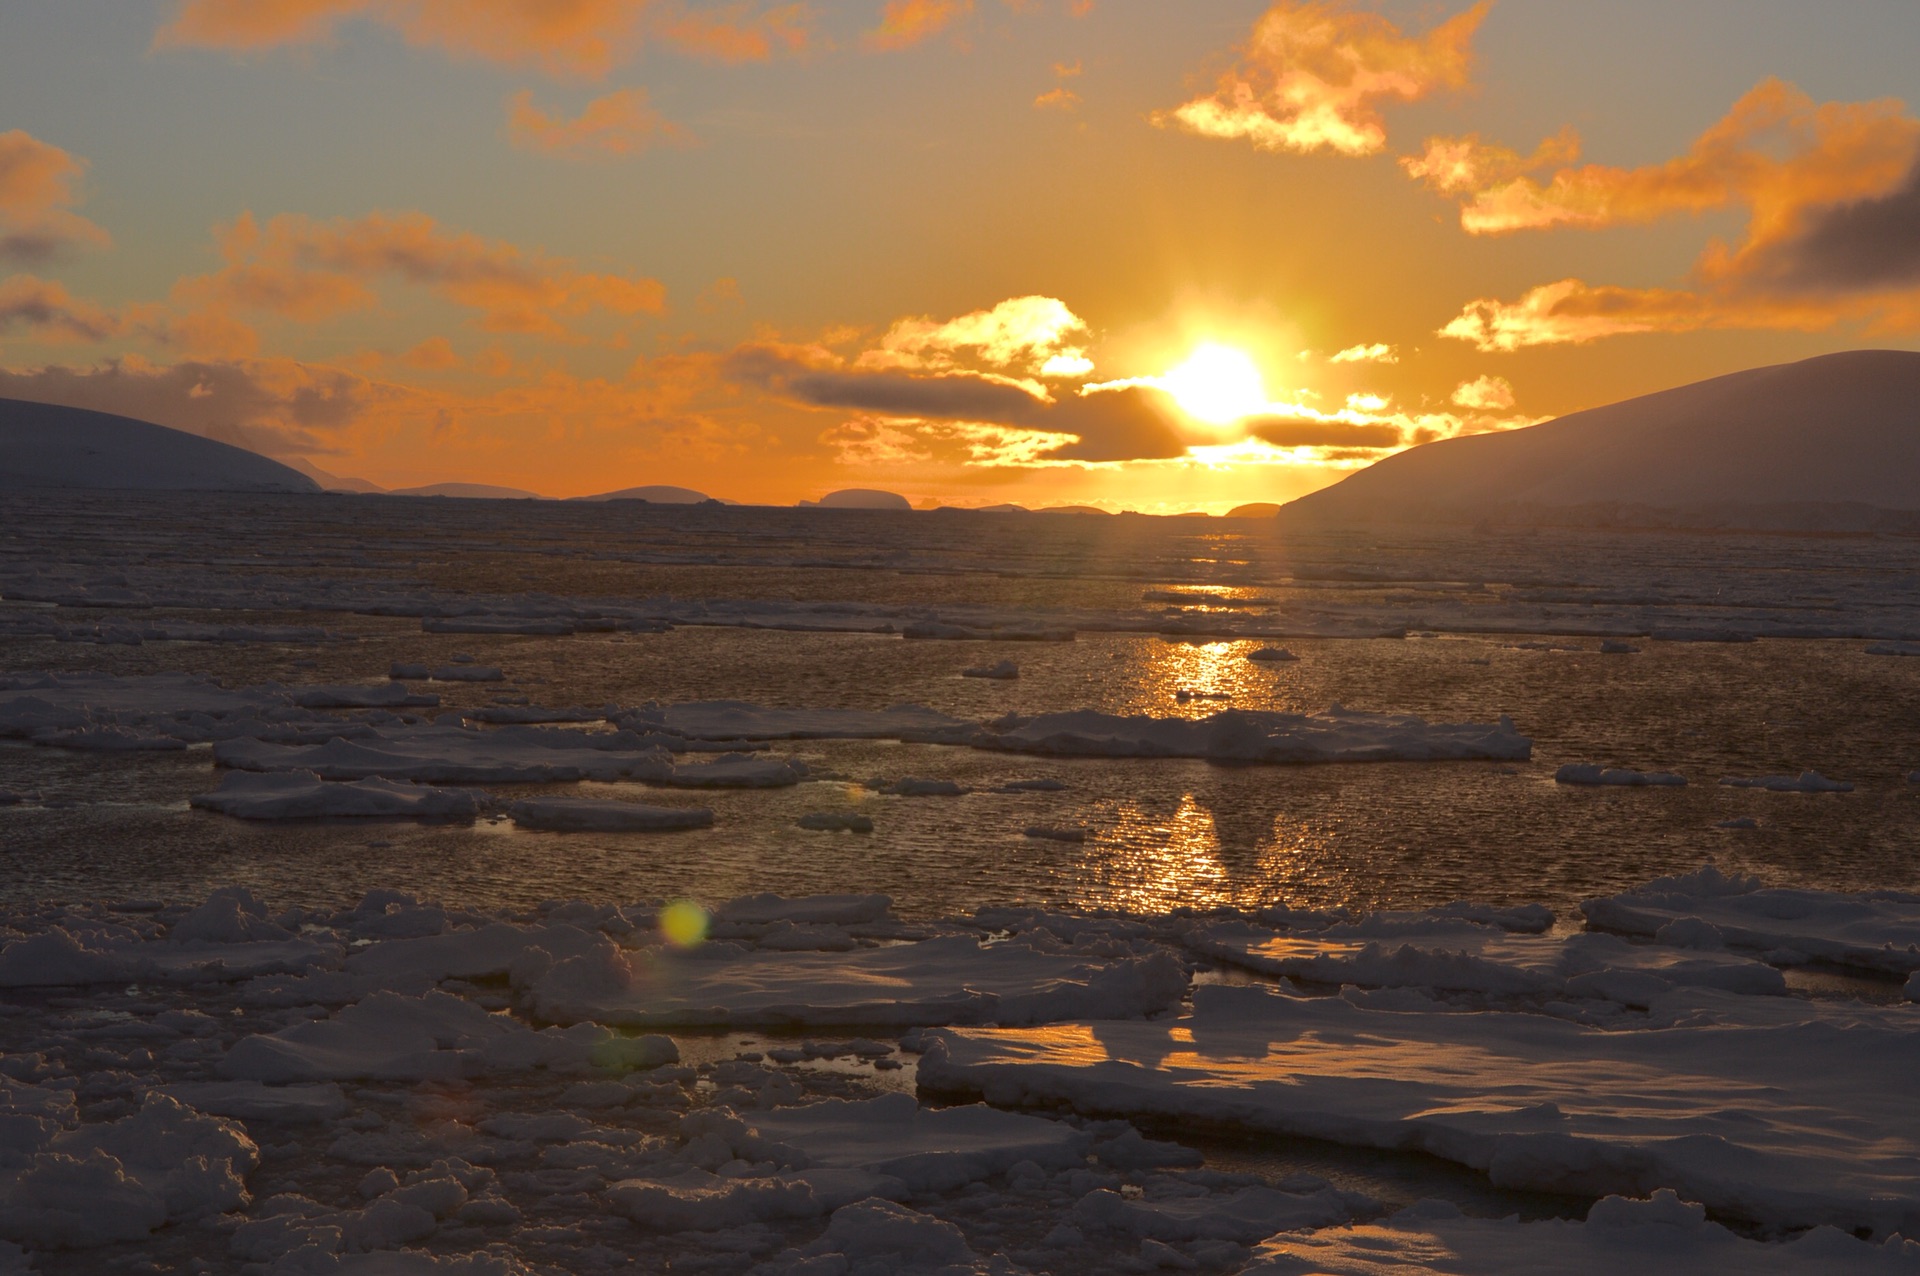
[(307, 270), (49, 313), (904, 23), (1832, 195), (621, 123), (1378, 352), (39, 187), (1313, 74), (565, 37)]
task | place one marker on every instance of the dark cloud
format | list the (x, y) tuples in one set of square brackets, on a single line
[(1127, 424), (1858, 247), (293, 411), (1287, 431)]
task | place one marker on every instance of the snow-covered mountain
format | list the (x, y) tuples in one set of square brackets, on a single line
[(1837, 430), (43, 445)]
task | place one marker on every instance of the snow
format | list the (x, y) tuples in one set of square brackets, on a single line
[(1660, 1236), (999, 670), (1796, 1125), (1877, 930), (739, 720), (117, 1181), (1461, 955), (1244, 1217), (590, 815), (1589, 774), (926, 1150), (388, 1036), (457, 755), (877, 1236), (947, 979), (302, 795), (1805, 782)]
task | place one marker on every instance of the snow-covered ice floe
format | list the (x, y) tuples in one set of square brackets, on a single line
[(1805, 782), (945, 979), (398, 1086), (1661, 1236), (1877, 930), (302, 795), (1454, 954), (1590, 774), (1793, 1125)]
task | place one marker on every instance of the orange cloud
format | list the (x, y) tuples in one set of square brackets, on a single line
[(306, 270), (904, 23), (1462, 165), (734, 35), (1378, 352), (1487, 394), (1572, 311), (1313, 71), (1832, 192), (565, 37), (37, 194), (46, 309), (1776, 152), (622, 123), (1060, 99), (1040, 333)]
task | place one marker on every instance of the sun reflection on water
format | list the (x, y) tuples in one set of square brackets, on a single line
[(1158, 863)]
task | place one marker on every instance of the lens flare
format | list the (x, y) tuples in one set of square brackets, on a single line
[(1217, 384), (684, 923)]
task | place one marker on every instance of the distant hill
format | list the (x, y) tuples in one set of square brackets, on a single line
[(859, 498), (1257, 509), (330, 482), (467, 491), (657, 494), (43, 445), (1823, 443)]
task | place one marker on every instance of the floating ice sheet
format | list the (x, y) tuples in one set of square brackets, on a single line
[(1795, 1125), (947, 979), (1878, 930), (1661, 1236), (1459, 955), (302, 795)]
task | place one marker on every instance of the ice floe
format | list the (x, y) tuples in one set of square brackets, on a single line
[(1805, 782), (1794, 1125), (999, 670), (1878, 930), (946, 979), (1461, 955), (302, 795), (1660, 1236), (1590, 774)]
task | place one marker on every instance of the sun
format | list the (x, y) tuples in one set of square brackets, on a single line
[(1217, 384)]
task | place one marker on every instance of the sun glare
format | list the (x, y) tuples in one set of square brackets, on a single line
[(1217, 384)]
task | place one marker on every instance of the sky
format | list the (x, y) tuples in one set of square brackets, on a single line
[(1153, 256)]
